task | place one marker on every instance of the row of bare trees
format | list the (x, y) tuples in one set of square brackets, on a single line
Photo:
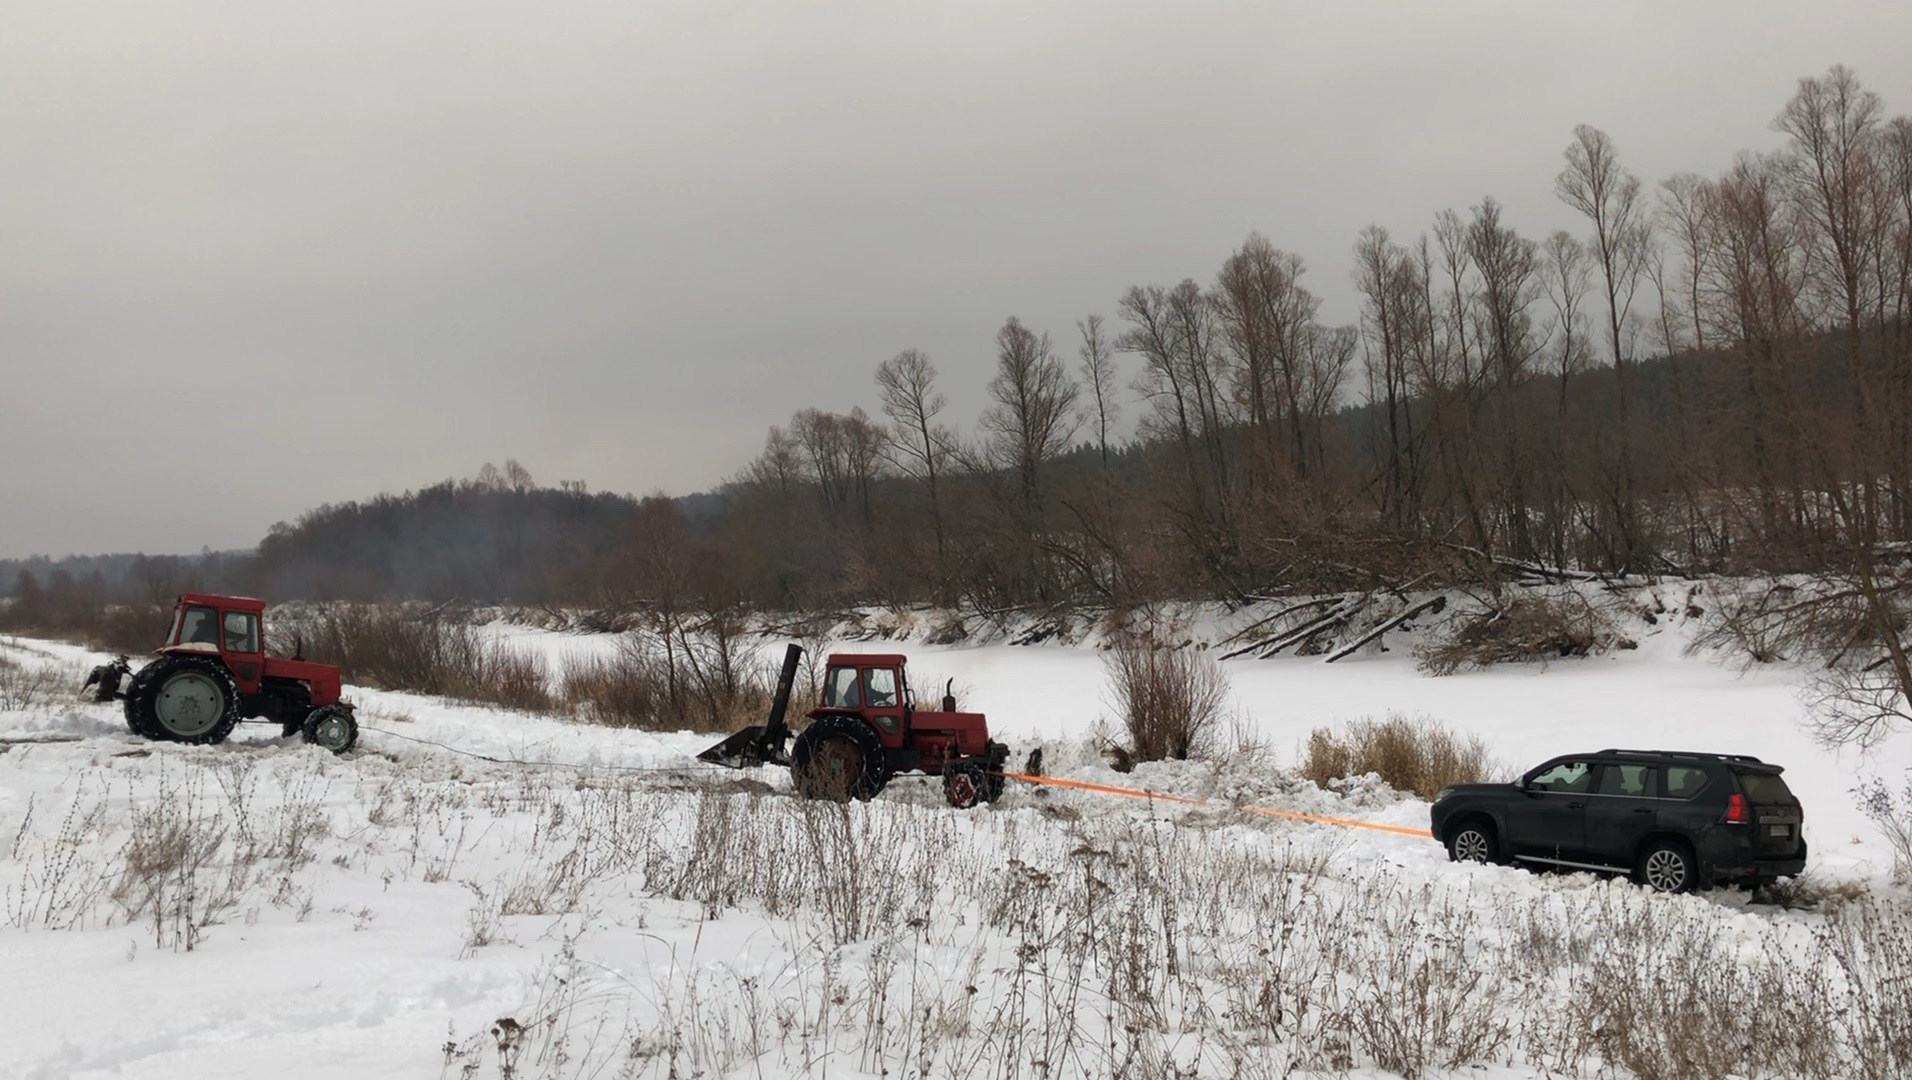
[(1710, 374)]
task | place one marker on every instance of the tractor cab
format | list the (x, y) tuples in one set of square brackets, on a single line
[(226, 626), (870, 683)]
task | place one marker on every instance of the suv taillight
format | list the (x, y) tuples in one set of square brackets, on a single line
[(1737, 812)]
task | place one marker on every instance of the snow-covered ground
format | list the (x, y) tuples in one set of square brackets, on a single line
[(262, 908)]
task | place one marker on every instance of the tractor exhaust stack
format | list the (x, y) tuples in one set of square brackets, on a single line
[(762, 744)]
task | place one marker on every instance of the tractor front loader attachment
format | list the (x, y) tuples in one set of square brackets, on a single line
[(762, 744)]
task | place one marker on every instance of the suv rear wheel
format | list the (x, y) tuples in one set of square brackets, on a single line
[(1667, 866)]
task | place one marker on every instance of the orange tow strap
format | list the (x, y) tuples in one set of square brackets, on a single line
[(1193, 800)]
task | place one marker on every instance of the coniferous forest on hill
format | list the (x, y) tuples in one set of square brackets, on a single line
[(1712, 374)]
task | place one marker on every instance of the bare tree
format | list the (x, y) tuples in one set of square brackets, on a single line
[(864, 446), (1568, 271), (1267, 319), (1835, 125), (1595, 184), (776, 467), (1329, 353), (907, 383), (819, 434), (1390, 294), (1508, 266), (1172, 330), (1837, 181), (1684, 201), (1098, 377), (1032, 416)]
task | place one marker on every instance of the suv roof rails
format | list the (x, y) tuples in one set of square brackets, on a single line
[(1683, 753)]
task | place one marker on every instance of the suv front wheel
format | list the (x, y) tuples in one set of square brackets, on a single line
[(1473, 842), (1667, 866)]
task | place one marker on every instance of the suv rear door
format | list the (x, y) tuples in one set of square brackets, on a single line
[(1776, 812), (1621, 810)]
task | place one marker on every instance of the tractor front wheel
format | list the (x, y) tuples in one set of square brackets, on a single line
[(186, 699), (332, 727), (837, 759), (966, 785)]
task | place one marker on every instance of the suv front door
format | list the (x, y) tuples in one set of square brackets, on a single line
[(1551, 822), (1622, 809)]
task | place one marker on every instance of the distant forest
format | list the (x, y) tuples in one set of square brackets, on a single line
[(1713, 375)]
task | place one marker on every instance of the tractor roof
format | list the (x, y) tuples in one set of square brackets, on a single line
[(867, 659), (240, 603)]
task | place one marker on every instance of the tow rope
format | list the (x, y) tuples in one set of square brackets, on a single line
[(1196, 800)]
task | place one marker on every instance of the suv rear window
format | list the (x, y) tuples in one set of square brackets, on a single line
[(1764, 788)]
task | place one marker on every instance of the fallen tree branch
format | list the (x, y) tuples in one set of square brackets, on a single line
[(1436, 603)]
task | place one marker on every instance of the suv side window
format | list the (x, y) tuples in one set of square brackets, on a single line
[(1684, 781), (1567, 776), (1629, 781)]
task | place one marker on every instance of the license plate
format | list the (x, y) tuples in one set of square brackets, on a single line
[(1780, 830)]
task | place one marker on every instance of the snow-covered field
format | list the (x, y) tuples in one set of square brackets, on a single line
[(594, 903)]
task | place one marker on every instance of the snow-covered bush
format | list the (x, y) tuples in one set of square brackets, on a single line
[(1172, 702), (1892, 813)]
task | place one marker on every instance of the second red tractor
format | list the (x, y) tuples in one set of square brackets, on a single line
[(213, 672), (866, 728)]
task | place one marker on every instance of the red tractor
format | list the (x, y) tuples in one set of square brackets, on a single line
[(865, 729), (213, 672)]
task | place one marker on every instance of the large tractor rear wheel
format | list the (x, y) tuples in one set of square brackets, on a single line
[(132, 704), (837, 758), (187, 699)]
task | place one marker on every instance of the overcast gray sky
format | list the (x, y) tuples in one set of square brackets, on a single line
[(258, 256)]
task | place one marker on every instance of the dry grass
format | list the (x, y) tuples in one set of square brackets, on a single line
[(425, 652), (1419, 755), (641, 685), (914, 942), (623, 689), (1113, 947), (114, 628), (1892, 814), (33, 685)]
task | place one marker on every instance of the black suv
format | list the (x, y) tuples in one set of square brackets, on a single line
[(1676, 821)]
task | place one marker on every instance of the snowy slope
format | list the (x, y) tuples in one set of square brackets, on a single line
[(377, 915)]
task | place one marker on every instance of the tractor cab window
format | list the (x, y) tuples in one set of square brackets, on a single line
[(242, 632), (882, 685), (198, 626), (840, 689)]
